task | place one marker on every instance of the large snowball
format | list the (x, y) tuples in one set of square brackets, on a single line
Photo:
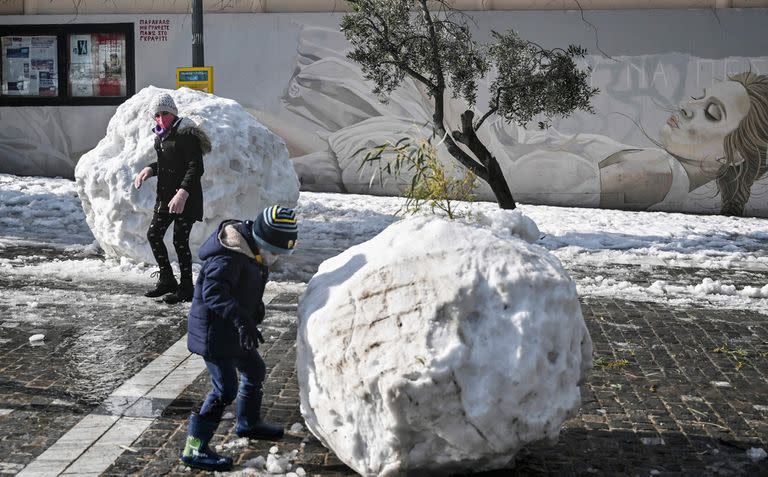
[(246, 170), (439, 346)]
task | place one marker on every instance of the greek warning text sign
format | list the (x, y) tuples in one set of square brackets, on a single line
[(154, 29)]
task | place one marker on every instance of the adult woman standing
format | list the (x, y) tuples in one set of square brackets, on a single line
[(179, 145)]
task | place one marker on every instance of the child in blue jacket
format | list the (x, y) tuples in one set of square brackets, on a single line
[(226, 309)]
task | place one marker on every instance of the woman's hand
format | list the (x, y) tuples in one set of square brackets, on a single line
[(145, 174), (176, 205)]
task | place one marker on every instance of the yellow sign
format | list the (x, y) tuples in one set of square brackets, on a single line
[(195, 77)]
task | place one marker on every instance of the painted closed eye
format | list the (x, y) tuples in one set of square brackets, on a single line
[(713, 112)]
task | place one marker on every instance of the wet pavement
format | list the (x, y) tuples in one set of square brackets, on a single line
[(91, 346), (675, 390)]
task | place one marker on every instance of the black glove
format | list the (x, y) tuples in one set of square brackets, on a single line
[(260, 312), (250, 336)]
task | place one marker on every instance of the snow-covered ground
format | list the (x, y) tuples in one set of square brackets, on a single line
[(680, 259)]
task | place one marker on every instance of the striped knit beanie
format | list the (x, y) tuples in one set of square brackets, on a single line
[(276, 230)]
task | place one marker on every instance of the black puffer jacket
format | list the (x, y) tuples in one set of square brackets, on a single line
[(179, 166)]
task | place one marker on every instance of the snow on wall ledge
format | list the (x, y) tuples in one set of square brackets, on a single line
[(247, 169), (440, 346)]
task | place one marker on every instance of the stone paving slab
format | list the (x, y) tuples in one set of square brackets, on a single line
[(673, 392), (91, 347)]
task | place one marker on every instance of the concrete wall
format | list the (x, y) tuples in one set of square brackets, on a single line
[(646, 63), (48, 7)]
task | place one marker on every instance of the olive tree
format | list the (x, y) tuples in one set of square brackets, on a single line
[(431, 43)]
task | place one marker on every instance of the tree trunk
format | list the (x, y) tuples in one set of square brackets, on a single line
[(494, 176), (499, 185)]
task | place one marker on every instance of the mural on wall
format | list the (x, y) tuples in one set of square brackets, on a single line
[(710, 151), (33, 143), (677, 126)]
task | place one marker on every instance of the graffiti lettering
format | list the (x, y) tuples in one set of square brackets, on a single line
[(709, 72), (660, 73)]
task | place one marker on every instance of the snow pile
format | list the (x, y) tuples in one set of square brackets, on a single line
[(713, 287), (34, 209), (753, 292), (508, 223), (247, 169), (439, 346)]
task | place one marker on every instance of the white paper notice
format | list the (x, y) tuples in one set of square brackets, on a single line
[(81, 70)]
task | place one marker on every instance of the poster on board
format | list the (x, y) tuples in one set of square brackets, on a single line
[(30, 66), (43, 66), (81, 68)]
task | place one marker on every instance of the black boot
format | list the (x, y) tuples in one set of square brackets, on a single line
[(196, 451), (165, 284), (184, 292), (249, 423)]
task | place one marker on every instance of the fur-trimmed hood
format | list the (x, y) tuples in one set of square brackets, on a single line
[(192, 125), (232, 239), (226, 237)]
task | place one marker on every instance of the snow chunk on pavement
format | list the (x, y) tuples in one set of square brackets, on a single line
[(277, 464), (246, 170), (439, 346), (756, 454), (297, 427), (258, 463)]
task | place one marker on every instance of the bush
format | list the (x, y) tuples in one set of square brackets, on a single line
[(430, 183)]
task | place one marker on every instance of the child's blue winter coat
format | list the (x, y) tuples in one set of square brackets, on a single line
[(230, 286)]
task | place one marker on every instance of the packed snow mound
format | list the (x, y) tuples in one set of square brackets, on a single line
[(439, 346), (246, 170)]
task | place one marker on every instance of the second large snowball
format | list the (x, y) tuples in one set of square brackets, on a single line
[(439, 346)]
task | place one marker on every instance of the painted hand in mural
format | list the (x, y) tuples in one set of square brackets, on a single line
[(143, 175)]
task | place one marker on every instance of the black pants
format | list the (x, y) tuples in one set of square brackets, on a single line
[(181, 229)]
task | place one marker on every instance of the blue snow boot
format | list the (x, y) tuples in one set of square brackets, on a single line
[(196, 452), (249, 423)]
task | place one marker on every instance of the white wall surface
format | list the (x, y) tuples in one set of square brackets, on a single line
[(645, 62)]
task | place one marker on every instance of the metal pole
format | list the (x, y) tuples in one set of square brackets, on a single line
[(197, 33)]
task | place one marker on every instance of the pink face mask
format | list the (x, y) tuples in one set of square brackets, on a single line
[(164, 120)]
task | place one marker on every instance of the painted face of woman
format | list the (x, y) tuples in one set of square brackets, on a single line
[(697, 131), (164, 119)]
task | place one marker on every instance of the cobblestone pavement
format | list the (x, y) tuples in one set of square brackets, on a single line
[(675, 391), (92, 345)]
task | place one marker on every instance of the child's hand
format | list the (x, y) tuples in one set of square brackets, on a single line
[(250, 336)]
